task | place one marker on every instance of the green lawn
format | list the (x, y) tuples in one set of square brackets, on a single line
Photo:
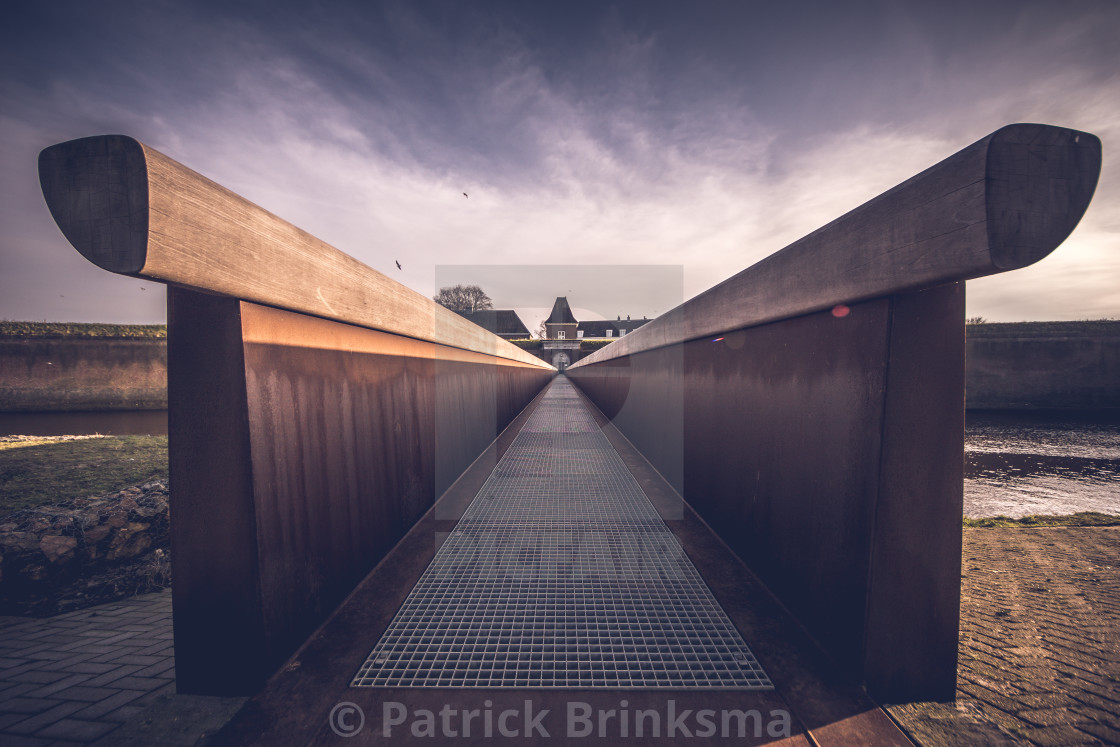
[(44, 470)]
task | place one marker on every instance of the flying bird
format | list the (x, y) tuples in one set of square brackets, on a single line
[(398, 265), (466, 195)]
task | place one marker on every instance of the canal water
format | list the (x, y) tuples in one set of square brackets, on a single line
[(1015, 464), (1029, 463), (131, 423)]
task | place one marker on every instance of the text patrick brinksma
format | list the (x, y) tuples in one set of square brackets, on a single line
[(581, 720)]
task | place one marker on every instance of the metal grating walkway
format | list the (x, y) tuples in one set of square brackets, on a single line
[(561, 574)]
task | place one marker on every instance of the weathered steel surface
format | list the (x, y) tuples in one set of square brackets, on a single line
[(302, 450), (132, 210), (216, 594), (1002, 203), (785, 452), (827, 448), (913, 610)]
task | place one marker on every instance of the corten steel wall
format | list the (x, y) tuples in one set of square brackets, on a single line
[(789, 451), (825, 448), (317, 408), (1044, 366), (45, 374), (303, 449)]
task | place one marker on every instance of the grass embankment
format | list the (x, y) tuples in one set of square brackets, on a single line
[(80, 329), (1081, 519), (39, 470)]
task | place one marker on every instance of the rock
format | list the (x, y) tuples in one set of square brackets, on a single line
[(58, 549), (135, 545), (129, 542), (96, 534), (14, 542), (85, 551)]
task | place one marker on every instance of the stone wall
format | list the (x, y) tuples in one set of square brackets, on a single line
[(87, 550), (52, 374), (1044, 365), (1009, 366)]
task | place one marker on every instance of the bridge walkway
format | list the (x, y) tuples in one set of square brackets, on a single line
[(562, 574)]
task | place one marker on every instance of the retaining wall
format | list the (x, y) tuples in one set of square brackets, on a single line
[(67, 374), (1044, 365), (1008, 366)]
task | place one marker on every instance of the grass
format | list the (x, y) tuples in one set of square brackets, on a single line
[(527, 344), (43, 470), (1081, 519), (80, 329)]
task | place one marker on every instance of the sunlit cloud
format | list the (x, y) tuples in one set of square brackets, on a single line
[(370, 146)]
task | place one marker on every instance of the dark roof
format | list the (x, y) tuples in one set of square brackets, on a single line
[(561, 313), (631, 324), (599, 329), (498, 321)]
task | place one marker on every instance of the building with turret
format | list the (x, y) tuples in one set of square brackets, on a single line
[(563, 333), (561, 343)]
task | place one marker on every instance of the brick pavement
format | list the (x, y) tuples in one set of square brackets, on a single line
[(1040, 642), (74, 678), (1039, 655)]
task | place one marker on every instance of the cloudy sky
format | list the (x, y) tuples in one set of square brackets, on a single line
[(677, 142)]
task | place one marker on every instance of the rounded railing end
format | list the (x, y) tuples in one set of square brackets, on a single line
[(1040, 179), (97, 191)]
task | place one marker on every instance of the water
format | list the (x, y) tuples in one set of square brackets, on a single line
[(1015, 464), (129, 423), (1030, 463)]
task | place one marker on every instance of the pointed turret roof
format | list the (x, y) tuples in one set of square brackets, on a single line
[(561, 313)]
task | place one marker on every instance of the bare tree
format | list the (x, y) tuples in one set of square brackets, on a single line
[(463, 298)]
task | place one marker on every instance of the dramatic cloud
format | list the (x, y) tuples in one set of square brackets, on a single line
[(630, 134)]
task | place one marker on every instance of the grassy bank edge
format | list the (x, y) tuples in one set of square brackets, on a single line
[(81, 329), (46, 470), (1080, 519)]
